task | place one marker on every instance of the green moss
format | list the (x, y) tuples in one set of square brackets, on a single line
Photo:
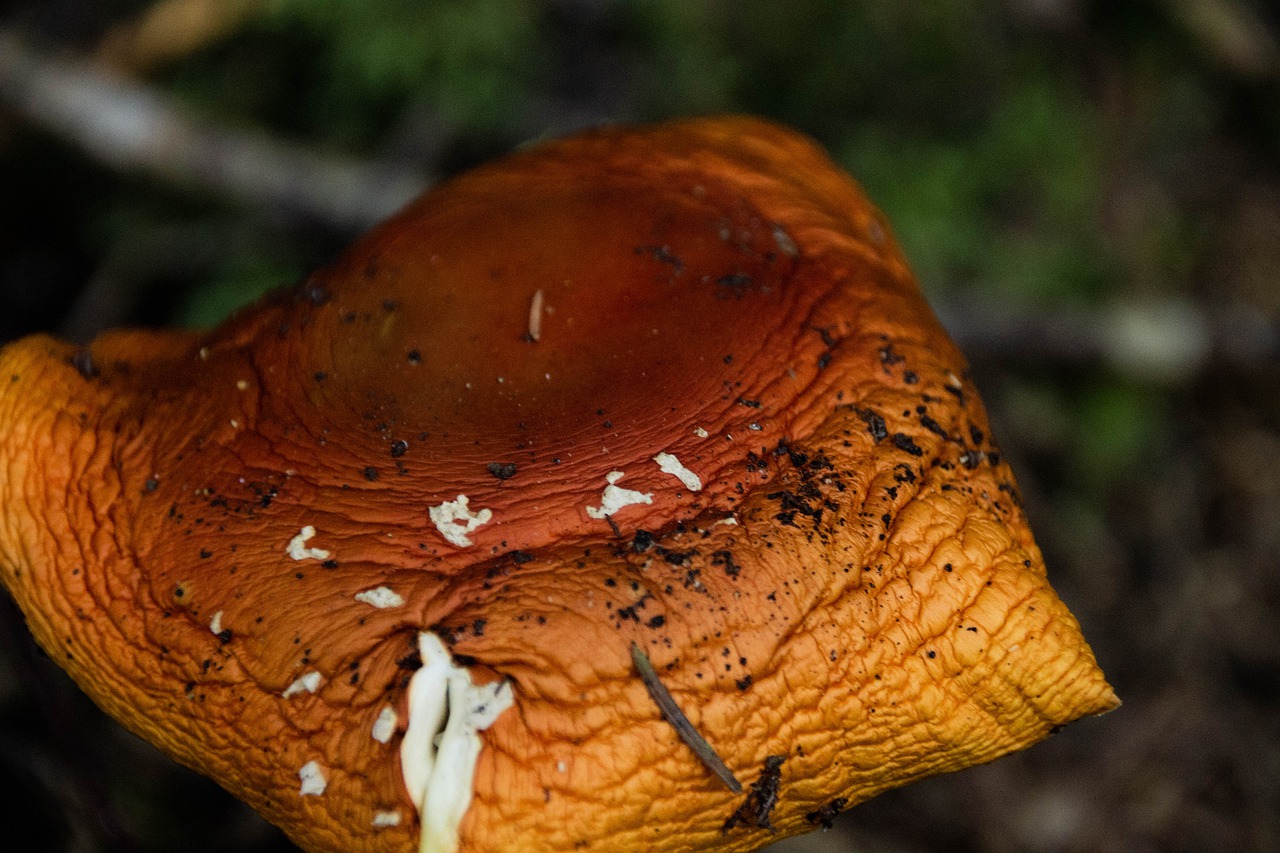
[(236, 284)]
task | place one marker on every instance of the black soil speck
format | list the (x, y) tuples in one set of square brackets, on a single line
[(502, 470), (84, 364), (889, 357), (761, 799), (932, 425), (903, 442), (827, 814), (316, 294), (724, 559), (735, 283), (875, 424)]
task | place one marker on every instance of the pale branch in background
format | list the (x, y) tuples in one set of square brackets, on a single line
[(1164, 341), (127, 125)]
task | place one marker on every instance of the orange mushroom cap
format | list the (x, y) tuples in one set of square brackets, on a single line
[(671, 386)]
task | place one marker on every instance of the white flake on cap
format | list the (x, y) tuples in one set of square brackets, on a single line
[(615, 497), (381, 597), (448, 514), (313, 781), (671, 465), (784, 242), (215, 624), (385, 726), (298, 549), (438, 758), (535, 316), (308, 683), (381, 819)]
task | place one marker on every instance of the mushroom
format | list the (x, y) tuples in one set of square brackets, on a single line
[(378, 554)]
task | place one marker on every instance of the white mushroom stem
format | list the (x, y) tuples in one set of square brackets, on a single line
[(438, 760), (428, 702)]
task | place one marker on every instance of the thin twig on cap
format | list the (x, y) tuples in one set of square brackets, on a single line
[(672, 714)]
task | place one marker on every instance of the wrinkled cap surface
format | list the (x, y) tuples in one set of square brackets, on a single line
[(672, 386)]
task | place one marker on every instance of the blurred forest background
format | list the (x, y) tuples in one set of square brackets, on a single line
[(1089, 191)]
